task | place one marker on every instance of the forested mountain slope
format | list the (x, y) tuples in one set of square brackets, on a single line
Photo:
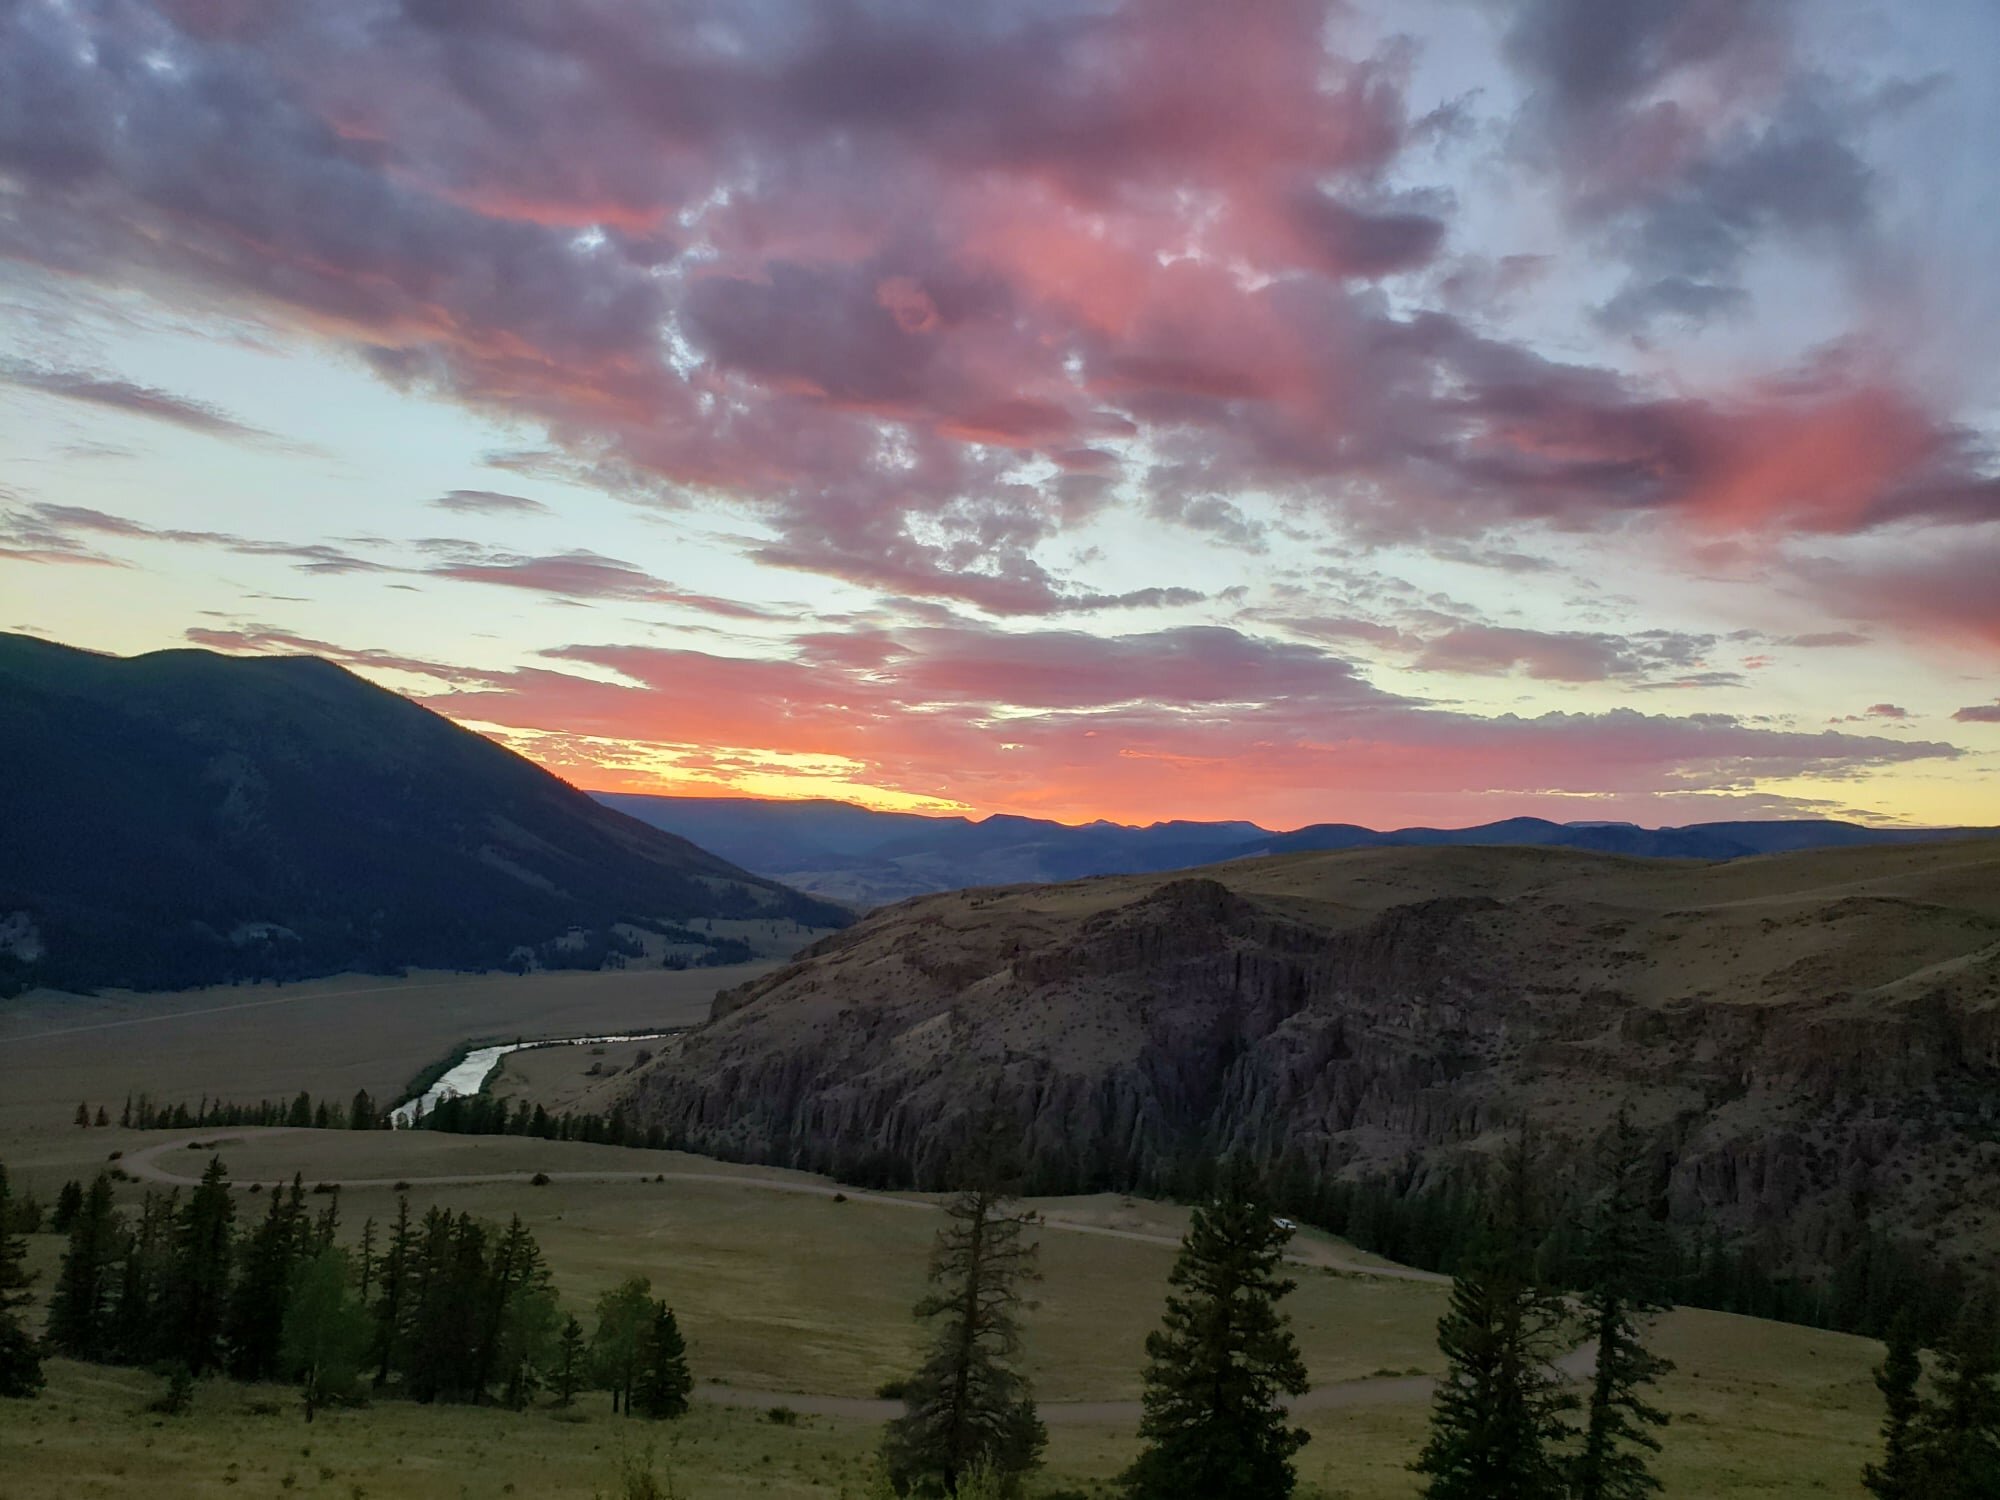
[(181, 818)]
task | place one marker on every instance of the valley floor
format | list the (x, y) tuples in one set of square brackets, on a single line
[(792, 1290)]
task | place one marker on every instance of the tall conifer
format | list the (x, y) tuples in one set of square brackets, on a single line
[(1497, 1428), (80, 1311), (203, 1251), (1899, 1475), (20, 1361), (968, 1407), (663, 1385), (1622, 1257), (1217, 1373)]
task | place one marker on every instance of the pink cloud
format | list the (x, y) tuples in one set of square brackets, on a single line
[(1190, 723)]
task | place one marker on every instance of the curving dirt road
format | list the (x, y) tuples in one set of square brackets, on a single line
[(143, 1164)]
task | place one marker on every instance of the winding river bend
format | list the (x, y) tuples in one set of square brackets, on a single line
[(469, 1075)]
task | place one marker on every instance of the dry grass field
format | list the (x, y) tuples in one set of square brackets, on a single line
[(782, 1289)]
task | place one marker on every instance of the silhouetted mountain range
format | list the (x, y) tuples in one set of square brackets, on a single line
[(185, 818), (867, 858)]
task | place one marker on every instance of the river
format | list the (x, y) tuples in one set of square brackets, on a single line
[(469, 1075)]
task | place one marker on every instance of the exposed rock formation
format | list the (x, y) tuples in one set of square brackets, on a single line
[(1813, 1038)]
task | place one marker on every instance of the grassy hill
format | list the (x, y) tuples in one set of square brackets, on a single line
[(184, 818)]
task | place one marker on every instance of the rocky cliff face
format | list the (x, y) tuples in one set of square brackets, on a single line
[(1811, 1039)]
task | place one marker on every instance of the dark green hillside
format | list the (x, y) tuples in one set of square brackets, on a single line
[(184, 818)]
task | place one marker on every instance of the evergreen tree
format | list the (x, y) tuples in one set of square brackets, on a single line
[(1899, 1476), (361, 1114), (199, 1310), (1497, 1424), (257, 1302), (1214, 1426), (622, 1319), (662, 1384), (1960, 1426), (364, 1260), (20, 1362), (102, 1118), (569, 1362), (325, 1331), (968, 1407), (521, 1317), (83, 1115), (393, 1279), (80, 1311), (139, 1323), (68, 1202), (1622, 1259)]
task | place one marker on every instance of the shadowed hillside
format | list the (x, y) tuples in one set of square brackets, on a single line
[(1812, 1040), (183, 818)]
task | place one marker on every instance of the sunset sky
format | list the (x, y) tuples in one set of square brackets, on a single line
[(1390, 413)]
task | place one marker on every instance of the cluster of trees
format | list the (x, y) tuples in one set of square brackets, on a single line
[(442, 1307), (1941, 1434), (1877, 1282), (483, 1114), (1217, 1370), (141, 1113), (1505, 1425), (20, 1359)]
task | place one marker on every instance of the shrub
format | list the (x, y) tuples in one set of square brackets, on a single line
[(177, 1400), (892, 1390), (540, 1179), (782, 1416)]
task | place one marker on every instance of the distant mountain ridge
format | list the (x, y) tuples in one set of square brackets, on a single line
[(867, 858), (185, 818)]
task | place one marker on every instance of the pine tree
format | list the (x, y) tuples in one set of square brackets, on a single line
[(68, 1203), (569, 1362), (102, 1118), (361, 1114), (1497, 1425), (393, 1278), (139, 1333), (1960, 1426), (968, 1407), (1622, 1258), (257, 1302), (20, 1362), (1218, 1369), (203, 1250), (1899, 1476), (662, 1385), (83, 1115), (521, 1316), (80, 1311), (622, 1316)]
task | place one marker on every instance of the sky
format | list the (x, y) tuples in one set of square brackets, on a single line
[(1401, 413)]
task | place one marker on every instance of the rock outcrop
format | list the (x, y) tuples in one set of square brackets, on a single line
[(1812, 1039)]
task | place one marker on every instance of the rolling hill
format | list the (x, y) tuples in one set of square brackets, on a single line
[(1811, 1041), (183, 818), (867, 858)]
